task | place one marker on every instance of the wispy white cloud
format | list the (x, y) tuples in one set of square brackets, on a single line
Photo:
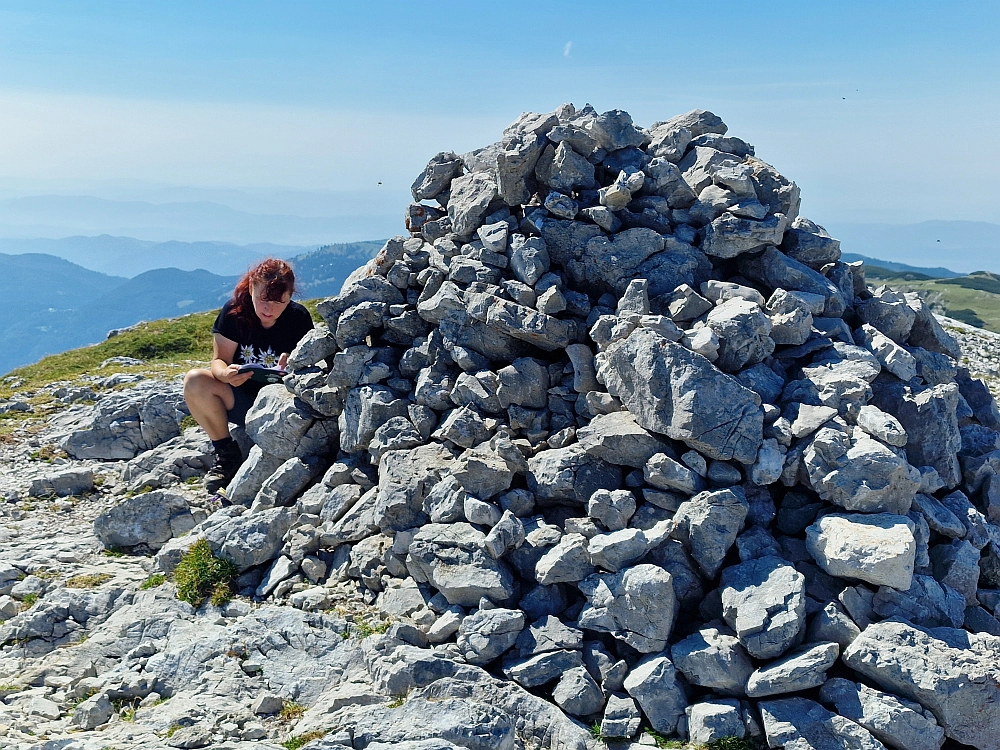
[(567, 49)]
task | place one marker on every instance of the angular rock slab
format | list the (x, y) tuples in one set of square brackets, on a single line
[(862, 474), (252, 538), (150, 518), (405, 479), (451, 557), (655, 686), (954, 673), (714, 660), (895, 722), (803, 669), (875, 547), (764, 601), (802, 724), (276, 422), (672, 391), (636, 605)]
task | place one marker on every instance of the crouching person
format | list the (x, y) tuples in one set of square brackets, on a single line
[(258, 325)]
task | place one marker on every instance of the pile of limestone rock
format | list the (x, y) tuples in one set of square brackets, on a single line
[(616, 424)]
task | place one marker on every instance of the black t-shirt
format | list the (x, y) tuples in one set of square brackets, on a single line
[(258, 345)]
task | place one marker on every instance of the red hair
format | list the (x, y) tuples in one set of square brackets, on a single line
[(275, 277)]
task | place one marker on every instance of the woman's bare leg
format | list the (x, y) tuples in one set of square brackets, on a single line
[(208, 400)]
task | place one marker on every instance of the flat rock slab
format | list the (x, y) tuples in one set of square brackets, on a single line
[(951, 672)]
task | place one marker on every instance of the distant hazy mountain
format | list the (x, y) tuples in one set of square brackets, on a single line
[(963, 246), (126, 256), (190, 221), (937, 272), (49, 304)]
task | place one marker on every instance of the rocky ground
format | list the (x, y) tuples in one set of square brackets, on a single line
[(611, 448)]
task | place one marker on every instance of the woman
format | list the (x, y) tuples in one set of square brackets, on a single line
[(259, 325)]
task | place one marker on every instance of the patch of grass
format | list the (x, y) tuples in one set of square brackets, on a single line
[(87, 581), (188, 421), (126, 708), (364, 629), (48, 454), (397, 702), (157, 579), (662, 741), (596, 733), (113, 552), (200, 575), (294, 743), (173, 730), (735, 743), (28, 600), (291, 710)]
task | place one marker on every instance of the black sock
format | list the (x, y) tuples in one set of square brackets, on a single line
[(222, 445)]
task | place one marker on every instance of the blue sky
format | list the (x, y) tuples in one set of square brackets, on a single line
[(880, 111)]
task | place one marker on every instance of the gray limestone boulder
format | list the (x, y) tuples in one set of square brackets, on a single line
[(470, 196), (622, 717), (744, 333), (930, 420), (730, 235), (251, 538), (888, 311), (577, 694), (122, 423), (436, 176), (763, 601), (894, 721), (882, 426), (450, 557), (712, 659), (618, 439), (570, 473), (62, 483), (878, 548), (540, 669), (926, 602), (149, 519), (802, 723), (636, 605), (663, 472), (406, 480), (801, 669), (708, 525), (277, 421), (950, 672), (775, 270), (568, 561), (860, 474), (657, 687), (487, 633), (715, 720), (176, 460), (891, 355), (675, 392), (617, 549), (613, 508), (365, 410)]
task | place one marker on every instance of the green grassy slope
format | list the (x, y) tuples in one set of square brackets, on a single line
[(973, 299), (165, 346)]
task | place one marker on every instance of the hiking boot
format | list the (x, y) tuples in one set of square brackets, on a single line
[(227, 463)]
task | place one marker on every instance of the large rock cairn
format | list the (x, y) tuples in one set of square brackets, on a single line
[(617, 424)]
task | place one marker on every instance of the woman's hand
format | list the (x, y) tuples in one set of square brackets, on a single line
[(229, 374), (283, 361)]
